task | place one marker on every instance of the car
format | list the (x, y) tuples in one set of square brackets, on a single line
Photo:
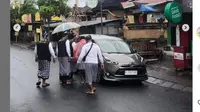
[(121, 62)]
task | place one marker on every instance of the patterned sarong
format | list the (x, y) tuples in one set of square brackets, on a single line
[(43, 69)]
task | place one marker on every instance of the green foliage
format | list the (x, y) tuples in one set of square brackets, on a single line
[(27, 8), (46, 11), (59, 6)]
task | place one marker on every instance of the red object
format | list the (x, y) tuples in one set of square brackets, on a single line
[(182, 57), (185, 37), (73, 60), (78, 47)]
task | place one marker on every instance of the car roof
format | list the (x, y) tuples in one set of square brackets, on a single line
[(102, 37)]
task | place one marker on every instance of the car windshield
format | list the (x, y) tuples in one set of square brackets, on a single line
[(113, 46)]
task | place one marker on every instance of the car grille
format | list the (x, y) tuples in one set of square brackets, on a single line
[(141, 70)]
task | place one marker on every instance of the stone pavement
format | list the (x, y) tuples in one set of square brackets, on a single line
[(160, 73)]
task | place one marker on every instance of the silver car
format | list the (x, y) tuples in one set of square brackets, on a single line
[(121, 62)]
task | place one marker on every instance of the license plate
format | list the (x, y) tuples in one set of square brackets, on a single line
[(133, 72)]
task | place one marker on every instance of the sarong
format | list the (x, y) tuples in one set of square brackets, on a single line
[(43, 69), (64, 68), (91, 71), (73, 67)]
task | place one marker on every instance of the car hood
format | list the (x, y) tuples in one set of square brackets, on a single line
[(124, 59)]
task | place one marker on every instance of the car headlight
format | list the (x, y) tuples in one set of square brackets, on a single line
[(110, 61), (141, 59)]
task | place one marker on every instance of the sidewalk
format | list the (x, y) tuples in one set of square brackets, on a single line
[(24, 45), (164, 74), (160, 73)]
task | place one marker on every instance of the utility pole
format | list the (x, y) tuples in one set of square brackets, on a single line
[(101, 17)]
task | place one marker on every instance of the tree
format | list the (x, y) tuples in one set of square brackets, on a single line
[(60, 7), (46, 12), (27, 8)]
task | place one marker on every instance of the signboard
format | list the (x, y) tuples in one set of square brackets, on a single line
[(126, 5), (131, 19), (38, 30), (16, 33), (178, 56), (37, 16), (30, 27), (173, 12), (17, 27), (26, 18)]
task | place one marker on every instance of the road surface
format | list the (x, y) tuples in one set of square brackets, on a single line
[(115, 97)]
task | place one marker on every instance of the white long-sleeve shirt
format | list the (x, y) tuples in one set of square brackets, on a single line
[(93, 55), (50, 50), (67, 44)]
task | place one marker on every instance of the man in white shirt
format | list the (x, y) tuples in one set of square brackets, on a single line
[(43, 52), (91, 55)]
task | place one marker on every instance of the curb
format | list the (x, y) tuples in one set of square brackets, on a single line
[(152, 80), (22, 47), (168, 84)]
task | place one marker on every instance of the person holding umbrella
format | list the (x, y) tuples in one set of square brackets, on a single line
[(67, 27), (43, 52), (90, 54), (64, 54)]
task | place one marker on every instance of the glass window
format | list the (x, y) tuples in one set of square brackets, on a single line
[(113, 46)]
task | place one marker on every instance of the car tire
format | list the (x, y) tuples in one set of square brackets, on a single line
[(139, 82)]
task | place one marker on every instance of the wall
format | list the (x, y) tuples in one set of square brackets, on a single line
[(143, 33), (107, 30), (117, 13)]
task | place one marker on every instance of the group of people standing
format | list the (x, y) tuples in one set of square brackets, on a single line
[(76, 55)]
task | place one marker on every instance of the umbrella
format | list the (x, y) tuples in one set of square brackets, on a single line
[(65, 26)]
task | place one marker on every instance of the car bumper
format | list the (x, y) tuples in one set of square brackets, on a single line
[(136, 78)]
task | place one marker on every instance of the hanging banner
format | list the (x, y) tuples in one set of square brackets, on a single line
[(37, 17)]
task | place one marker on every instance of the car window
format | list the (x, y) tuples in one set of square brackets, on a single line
[(113, 46)]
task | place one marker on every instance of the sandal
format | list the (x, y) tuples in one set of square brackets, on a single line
[(90, 93), (45, 85), (94, 89), (68, 82), (38, 83)]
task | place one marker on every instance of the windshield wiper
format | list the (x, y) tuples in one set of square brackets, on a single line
[(114, 52)]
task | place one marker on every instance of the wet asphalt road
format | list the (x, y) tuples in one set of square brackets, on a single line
[(114, 97)]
